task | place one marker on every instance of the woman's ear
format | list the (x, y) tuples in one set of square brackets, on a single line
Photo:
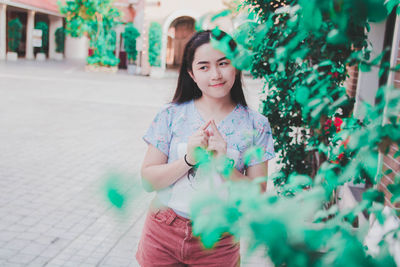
[(191, 75)]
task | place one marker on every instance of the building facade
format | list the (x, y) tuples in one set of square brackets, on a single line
[(177, 17), (30, 12), (364, 86)]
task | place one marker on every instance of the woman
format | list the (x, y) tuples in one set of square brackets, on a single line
[(209, 111)]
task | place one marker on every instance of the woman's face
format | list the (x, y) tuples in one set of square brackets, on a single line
[(212, 72)]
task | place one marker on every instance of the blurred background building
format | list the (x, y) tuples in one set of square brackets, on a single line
[(177, 19)]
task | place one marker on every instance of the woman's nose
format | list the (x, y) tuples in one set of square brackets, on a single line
[(216, 73)]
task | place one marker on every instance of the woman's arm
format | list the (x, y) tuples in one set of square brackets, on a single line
[(157, 173)]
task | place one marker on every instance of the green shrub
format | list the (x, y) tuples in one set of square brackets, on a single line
[(130, 34), (60, 40), (155, 33), (14, 34), (41, 25)]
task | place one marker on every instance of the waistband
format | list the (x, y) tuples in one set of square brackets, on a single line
[(169, 216)]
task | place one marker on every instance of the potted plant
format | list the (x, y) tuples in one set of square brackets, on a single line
[(60, 40), (102, 57), (14, 38), (130, 34), (95, 20), (41, 25), (155, 33)]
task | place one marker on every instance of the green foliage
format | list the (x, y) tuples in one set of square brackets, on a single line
[(155, 42), (121, 193), (14, 34), (60, 39), (41, 25), (130, 35), (95, 19), (104, 53), (302, 50)]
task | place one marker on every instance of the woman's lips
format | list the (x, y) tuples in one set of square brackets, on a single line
[(218, 84)]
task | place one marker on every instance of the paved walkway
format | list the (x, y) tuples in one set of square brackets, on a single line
[(63, 133)]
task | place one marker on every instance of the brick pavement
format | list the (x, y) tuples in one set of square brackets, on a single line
[(62, 132)]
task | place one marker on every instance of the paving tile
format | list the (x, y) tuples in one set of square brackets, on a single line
[(34, 249), (13, 264), (6, 235), (28, 236), (22, 258), (44, 240), (6, 253), (39, 262), (72, 264), (17, 244)]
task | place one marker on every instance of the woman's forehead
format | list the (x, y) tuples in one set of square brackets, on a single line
[(207, 52)]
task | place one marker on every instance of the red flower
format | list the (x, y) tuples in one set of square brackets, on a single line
[(338, 122), (334, 75), (328, 124)]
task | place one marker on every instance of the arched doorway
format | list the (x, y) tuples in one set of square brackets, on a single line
[(179, 33), (177, 30)]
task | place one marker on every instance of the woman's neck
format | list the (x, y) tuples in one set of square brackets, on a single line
[(217, 109)]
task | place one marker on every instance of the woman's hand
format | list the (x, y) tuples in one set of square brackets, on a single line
[(198, 139), (216, 143)]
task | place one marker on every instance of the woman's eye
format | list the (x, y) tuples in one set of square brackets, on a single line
[(203, 68), (224, 63)]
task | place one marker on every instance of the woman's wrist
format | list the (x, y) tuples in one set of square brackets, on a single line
[(188, 161)]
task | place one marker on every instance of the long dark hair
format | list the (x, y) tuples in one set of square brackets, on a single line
[(187, 89)]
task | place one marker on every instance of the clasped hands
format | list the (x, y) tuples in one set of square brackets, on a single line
[(208, 139)]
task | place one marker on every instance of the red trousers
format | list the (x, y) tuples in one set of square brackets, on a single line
[(167, 240)]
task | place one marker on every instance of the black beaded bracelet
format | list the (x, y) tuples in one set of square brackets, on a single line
[(190, 165)]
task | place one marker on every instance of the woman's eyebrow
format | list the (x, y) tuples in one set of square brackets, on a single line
[(207, 62)]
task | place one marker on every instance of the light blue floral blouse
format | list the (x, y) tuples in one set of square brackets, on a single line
[(242, 129)]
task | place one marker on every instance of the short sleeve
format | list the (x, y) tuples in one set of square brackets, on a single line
[(262, 141), (159, 132)]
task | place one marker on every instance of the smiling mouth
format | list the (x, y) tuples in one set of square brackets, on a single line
[(218, 84)]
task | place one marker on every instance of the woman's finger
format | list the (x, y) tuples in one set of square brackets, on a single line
[(215, 129), (205, 125), (204, 143), (211, 147), (217, 139)]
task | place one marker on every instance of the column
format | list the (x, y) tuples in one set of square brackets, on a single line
[(55, 23), (3, 27), (118, 31), (29, 32)]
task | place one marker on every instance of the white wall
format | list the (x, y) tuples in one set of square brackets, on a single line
[(3, 22), (368, 82)]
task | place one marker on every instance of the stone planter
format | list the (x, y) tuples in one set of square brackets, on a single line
[(96, 68), (58, 56), (138, 70), (40, 56), (132, 70), (12, 56), (156, 72)]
